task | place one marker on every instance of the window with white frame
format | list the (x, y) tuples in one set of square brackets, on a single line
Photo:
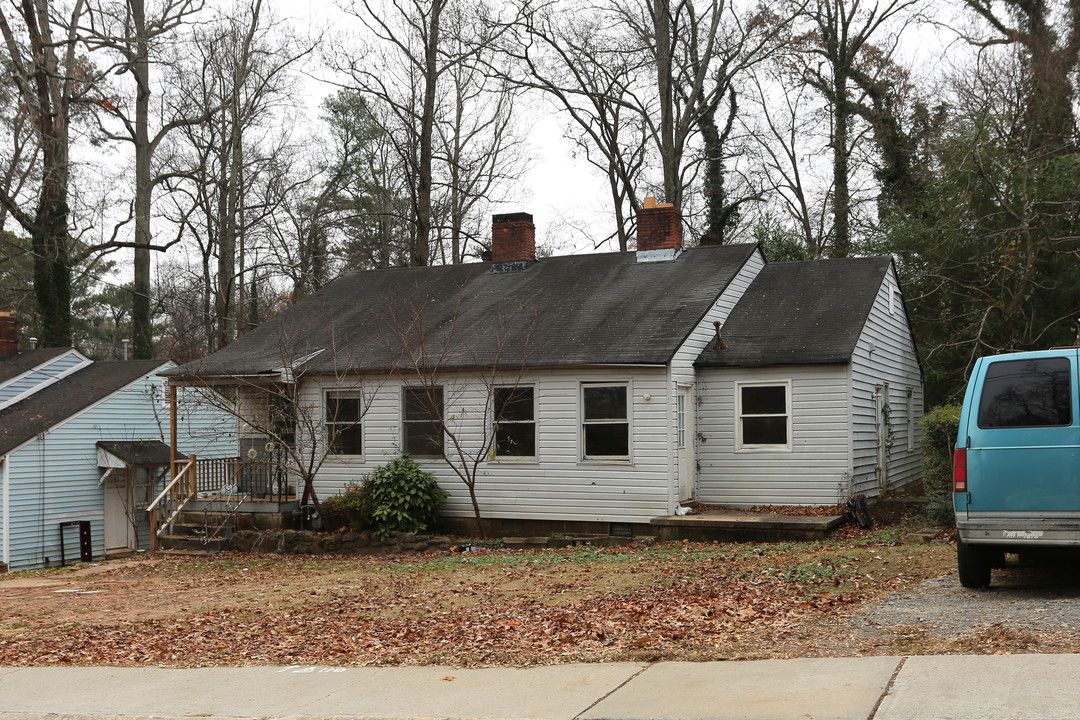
[(605, 426), (421, 427), (764, 415), (514, 422), (343, 415)]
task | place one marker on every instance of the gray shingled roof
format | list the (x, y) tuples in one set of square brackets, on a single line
[(14, 364), (603, 309), (800, 313), (57, 402), (139, 452)]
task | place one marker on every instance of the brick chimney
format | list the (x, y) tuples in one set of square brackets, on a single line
[(9, 333), (659, 227), (513, 238)]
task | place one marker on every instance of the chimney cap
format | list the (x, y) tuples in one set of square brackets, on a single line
[(512, 217)]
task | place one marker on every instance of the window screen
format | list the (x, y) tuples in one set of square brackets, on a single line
[(515, 422), (422, 430), (343, 427), (1027, 393), (606, 429)]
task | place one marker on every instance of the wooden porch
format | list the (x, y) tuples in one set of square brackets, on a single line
[(733, 525)]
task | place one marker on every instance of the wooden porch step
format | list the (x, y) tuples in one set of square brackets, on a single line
[(737, 526)]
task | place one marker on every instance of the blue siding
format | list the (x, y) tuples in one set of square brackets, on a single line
[(54, 478)]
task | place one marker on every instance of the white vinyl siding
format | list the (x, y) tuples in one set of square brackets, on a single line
[(557, 485), (885, 353), (814, 471), (682, 364), (54, 478)]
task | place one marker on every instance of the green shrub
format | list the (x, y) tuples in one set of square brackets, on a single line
[(351, 509), (939, 428), (404, 497)]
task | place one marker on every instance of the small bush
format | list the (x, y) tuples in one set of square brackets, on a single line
[(939, 428), (351, 509), (404, 498)]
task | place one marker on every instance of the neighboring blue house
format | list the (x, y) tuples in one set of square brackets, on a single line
[(85, 441)]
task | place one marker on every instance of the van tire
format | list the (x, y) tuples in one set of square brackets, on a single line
[(973, 564)]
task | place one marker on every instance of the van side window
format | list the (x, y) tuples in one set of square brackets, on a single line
[(1027, 393)]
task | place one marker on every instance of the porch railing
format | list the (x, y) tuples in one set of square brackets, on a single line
[(168, 504), (264, 479)]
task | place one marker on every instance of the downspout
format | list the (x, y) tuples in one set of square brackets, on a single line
[(672, 463), (5, 511)]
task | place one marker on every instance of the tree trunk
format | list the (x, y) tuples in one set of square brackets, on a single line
[(841, 241), (662, 42), (49, 238), (419, 252), (142, 336)]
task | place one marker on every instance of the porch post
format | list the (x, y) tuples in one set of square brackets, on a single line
[(172, 431)]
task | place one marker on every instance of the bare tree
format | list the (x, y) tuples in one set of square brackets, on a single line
[(832, 42), (50, 78), (582, 65), (137, 42), (414, 46)]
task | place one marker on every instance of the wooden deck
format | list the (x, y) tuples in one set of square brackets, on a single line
[(740, 526)]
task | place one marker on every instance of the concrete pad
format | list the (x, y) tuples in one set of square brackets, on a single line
[(806, 689), (544, 693), (976, 687)]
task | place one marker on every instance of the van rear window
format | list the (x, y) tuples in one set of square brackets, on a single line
[(1027, 393)]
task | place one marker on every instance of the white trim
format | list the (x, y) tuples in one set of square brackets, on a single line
[(49, 379), (739, 385), (533, 459), (5, 510), (352, 393), (627, 385)]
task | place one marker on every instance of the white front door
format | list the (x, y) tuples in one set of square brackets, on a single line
[(684, 441), (117, 525)]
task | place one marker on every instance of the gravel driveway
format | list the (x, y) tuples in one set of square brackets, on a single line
[(1042, 599)]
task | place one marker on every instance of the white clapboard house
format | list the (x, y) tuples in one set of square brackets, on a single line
[(625, 383)]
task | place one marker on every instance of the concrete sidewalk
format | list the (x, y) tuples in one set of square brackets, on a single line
[(1019, 687)]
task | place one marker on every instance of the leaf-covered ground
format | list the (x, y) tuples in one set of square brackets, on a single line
[(691, 601), (671, 601)]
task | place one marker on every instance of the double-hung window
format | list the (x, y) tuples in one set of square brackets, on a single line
[(764, 416), (514, 422), (605, 426), (421, 421), (343, 415)]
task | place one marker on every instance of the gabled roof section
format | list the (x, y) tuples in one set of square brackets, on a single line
[(800, 313), (53, 404), (30, 371), (14, 364), (603, 309)]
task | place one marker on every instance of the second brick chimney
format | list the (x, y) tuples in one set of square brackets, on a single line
[(9, 333), (659, 227), (513, 238)]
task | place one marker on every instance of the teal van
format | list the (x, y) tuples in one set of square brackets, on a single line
[(1016, 468)]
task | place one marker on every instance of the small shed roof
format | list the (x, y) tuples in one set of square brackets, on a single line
[(57, 402), (800, 313), (139, 452)]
